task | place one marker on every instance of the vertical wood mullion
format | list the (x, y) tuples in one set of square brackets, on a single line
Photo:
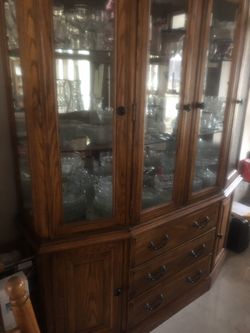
[(36, 122)]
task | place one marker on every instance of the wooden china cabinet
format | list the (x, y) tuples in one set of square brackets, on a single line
[(122, 114)]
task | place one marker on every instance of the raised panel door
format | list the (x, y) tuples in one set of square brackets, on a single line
[(223, 225), (86, 283)]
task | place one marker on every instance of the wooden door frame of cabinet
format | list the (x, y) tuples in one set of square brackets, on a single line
[(41, 122), (190, 54), (241, 35), (229, 111), (37, 59)]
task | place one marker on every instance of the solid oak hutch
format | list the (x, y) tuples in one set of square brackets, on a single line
[(126, 118)]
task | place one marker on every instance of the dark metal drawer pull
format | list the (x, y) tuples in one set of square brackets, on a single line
[(194, 279), (198, 253), (157, 275), (201, 224), (163, 243), (152, 307)]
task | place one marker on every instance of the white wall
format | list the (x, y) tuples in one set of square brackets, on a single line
[(8, 208)]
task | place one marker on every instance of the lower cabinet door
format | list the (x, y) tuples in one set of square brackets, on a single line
[(87, 283), (222, 231)]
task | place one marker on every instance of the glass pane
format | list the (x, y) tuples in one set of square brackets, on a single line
[(84, 42), (17, 95), (240, 109), (217, 77), (167, 34)]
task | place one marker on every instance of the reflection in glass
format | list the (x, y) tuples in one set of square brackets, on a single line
[(162, 101), (84, 44), (18, 107), (215, 93)]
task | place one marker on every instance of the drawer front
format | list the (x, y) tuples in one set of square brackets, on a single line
[(151, 243), (149, 303), (158, 269)]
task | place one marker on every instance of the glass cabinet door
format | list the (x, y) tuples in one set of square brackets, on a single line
[(239, 112), (164, 87), (17, 108), (84, 56), (215, 93)]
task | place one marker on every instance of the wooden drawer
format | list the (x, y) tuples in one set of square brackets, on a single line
[(148, 275), (147, 304), (151, 243)]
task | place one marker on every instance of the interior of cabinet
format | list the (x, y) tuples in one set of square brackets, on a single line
[(163, 98), (84, 52)]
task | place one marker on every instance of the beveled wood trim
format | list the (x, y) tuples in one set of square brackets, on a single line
[(50, 132), (142, 30), (124, 68), (30, 53), (80, 240)]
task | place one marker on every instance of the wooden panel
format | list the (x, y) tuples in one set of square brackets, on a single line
[(30, 53), (165, 266), (148, 245), (151, 302), (224, 216), (85, 281)]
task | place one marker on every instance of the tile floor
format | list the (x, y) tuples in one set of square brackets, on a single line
[(225, 308)]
